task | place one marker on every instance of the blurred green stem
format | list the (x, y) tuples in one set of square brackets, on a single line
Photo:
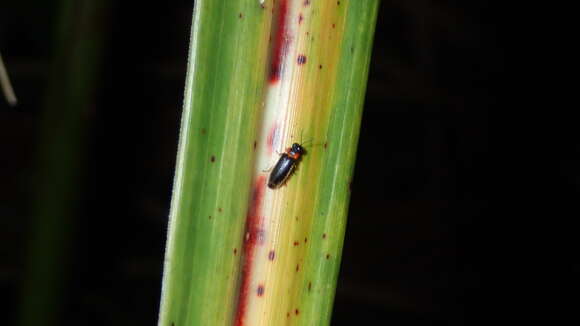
[(78, 41), (6, 85)]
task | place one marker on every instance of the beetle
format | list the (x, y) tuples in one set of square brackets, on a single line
[(285, 165)]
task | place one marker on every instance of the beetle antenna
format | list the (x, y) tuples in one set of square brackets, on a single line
[(307, 142)]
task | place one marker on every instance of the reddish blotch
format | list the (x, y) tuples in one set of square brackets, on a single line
[(253, 226), (271, 137), (281, 43)]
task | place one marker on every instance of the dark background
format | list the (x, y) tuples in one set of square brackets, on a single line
[(415, 245)]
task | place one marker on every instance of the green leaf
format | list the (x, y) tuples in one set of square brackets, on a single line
[(261, 77)]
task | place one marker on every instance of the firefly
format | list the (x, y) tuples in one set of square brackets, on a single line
[(285, 166)]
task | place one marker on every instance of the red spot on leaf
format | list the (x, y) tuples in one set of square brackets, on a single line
[(309, 286), (297, 267), (306, 2), (260, 290), (305, 240), (301, 59), (300, 18), (297, 311), (235, 251), (324, 236), (296, 243), (271, 255)]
